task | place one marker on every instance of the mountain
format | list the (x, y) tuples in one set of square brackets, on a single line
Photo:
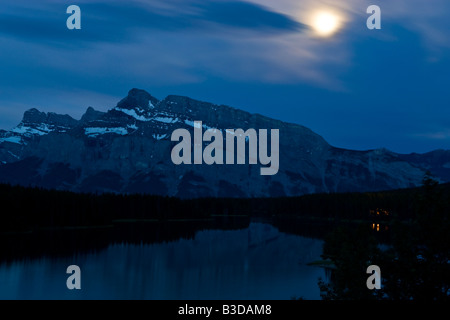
[(128, 150)]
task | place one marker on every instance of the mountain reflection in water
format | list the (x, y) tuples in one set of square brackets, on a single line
[(255, 262)]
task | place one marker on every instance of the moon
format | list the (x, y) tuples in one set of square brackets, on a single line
[(325, 23)]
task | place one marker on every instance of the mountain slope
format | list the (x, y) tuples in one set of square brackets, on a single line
[(128, 150)]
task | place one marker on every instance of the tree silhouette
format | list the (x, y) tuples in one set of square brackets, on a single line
[(415, 266)]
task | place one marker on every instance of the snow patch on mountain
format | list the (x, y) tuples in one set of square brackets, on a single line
[(165, 119), (28, 131), (96, 131), (12, 139), (134, 114), (159, 136)]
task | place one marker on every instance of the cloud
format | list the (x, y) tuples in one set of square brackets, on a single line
[(164, 41), (173, 46), (439, 131), (429, 21), (118, 21), (439, 135), (248, 16), (186, 41)]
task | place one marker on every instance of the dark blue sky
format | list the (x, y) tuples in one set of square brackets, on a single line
[(358, 88)]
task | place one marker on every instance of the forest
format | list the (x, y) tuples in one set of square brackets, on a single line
[(27, 209)]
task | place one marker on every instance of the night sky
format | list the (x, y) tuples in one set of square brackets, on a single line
[(358, 88)]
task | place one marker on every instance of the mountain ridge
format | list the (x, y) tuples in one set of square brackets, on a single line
[(127, 150)]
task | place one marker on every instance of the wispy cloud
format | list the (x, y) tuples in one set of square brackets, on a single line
[(265, 45), (119, 21), (435, 135)]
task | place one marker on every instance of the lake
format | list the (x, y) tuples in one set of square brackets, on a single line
[(256, 262)]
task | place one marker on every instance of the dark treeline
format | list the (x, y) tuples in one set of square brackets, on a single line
[(415, 265), (25, 209)]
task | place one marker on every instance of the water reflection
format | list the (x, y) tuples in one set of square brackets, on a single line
[(258, 262), (66, 242)]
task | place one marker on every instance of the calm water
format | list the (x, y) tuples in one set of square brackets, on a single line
[(254, 263)]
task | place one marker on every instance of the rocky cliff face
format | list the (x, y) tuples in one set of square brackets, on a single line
[(128, 150)]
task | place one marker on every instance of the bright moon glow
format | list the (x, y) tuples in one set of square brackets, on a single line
[(325, 23)]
